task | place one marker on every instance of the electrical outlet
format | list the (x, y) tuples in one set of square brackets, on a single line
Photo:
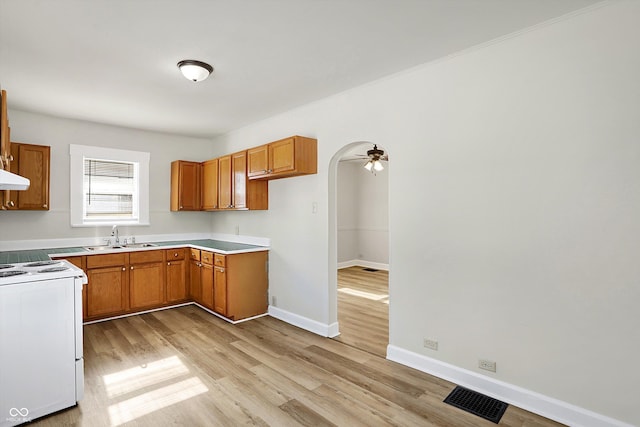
[(487, 365), (431, 344)]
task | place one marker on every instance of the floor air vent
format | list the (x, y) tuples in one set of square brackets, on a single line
[(370, 269), (476, 403)]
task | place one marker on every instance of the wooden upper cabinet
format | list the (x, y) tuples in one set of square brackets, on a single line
[(32, 162), (210, 185), (185, 186), (239, 171), (293, 156), (235, 191), (224, 183)]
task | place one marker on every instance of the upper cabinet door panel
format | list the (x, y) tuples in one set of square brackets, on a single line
[(282, 155), (185, 186), (224, 183), (210, 185), (34, 164), (258, 161)]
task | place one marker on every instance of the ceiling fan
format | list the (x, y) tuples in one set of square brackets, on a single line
[(375, 157)]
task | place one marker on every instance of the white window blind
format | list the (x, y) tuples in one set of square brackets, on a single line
[(109, 189), (108, 186)]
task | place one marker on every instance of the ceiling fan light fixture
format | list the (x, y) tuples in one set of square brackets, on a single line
[(374, 160), (195, 70)]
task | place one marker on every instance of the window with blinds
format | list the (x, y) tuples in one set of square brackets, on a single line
[(109, 189)]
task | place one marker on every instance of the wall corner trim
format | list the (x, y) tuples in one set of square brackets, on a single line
[(322, 329), (545, 406)]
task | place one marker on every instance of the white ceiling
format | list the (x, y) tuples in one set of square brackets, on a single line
[(114, 61)]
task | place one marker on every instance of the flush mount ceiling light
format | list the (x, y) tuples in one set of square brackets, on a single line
[(195, 70), (374, 162)]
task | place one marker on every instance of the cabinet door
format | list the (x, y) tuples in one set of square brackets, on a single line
[(258, 161), (185, 186), (33, 163), (282, 156), (210, 185), (176, 281), (195, 287), (206, 279), (146, 285), (220, 290), (239, 168), (224, 183), (106, 291)]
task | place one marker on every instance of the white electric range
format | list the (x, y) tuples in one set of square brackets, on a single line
[(41, 358)]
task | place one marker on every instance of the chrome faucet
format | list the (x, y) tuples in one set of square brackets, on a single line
[(114, 232)]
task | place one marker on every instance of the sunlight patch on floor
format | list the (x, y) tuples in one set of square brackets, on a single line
[(362, 294), (143, 404), (129, 380)]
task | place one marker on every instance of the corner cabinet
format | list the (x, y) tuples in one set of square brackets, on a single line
[(185, 186), (32, 162), (293, 156)]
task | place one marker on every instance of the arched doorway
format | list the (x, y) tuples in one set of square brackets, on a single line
[(359, 249)]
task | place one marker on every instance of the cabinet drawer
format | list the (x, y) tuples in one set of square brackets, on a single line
[(107, 260), (207, 257), (142, 257), (195, 254), (220, 260), (174, 254)]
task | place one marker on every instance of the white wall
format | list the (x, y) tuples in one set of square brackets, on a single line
[(58, 133), (514, 206), (362, 214)]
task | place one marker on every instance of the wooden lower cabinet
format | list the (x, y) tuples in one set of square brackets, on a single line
[(195, 283), (107, 291), (146, 279), (234, 286), (220, 290), (176, 276), (206, 279), (241, 285)]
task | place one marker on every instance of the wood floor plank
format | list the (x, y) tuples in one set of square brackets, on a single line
[(186, 367)]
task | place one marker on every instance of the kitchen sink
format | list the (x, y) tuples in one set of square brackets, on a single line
[(139, 245), (127, 246)]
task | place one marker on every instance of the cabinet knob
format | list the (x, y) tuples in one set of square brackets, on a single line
[(181, 207), (123, 269), (175, 254), (168, 263), (44, 206), (131, 267), (10, 203)]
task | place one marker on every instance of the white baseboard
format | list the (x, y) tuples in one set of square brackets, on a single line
[(322, 329), (363, 263), (540, 404)]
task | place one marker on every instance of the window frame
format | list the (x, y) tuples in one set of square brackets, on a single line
[(78, 153)]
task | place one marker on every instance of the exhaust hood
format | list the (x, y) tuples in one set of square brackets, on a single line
[(11, 181)]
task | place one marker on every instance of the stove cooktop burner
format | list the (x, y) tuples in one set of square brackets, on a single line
[(42, 263), (12, 273), (53, 269), (3, 266)]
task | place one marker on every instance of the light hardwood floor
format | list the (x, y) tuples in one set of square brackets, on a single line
[(185, 367), (363, 309)]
